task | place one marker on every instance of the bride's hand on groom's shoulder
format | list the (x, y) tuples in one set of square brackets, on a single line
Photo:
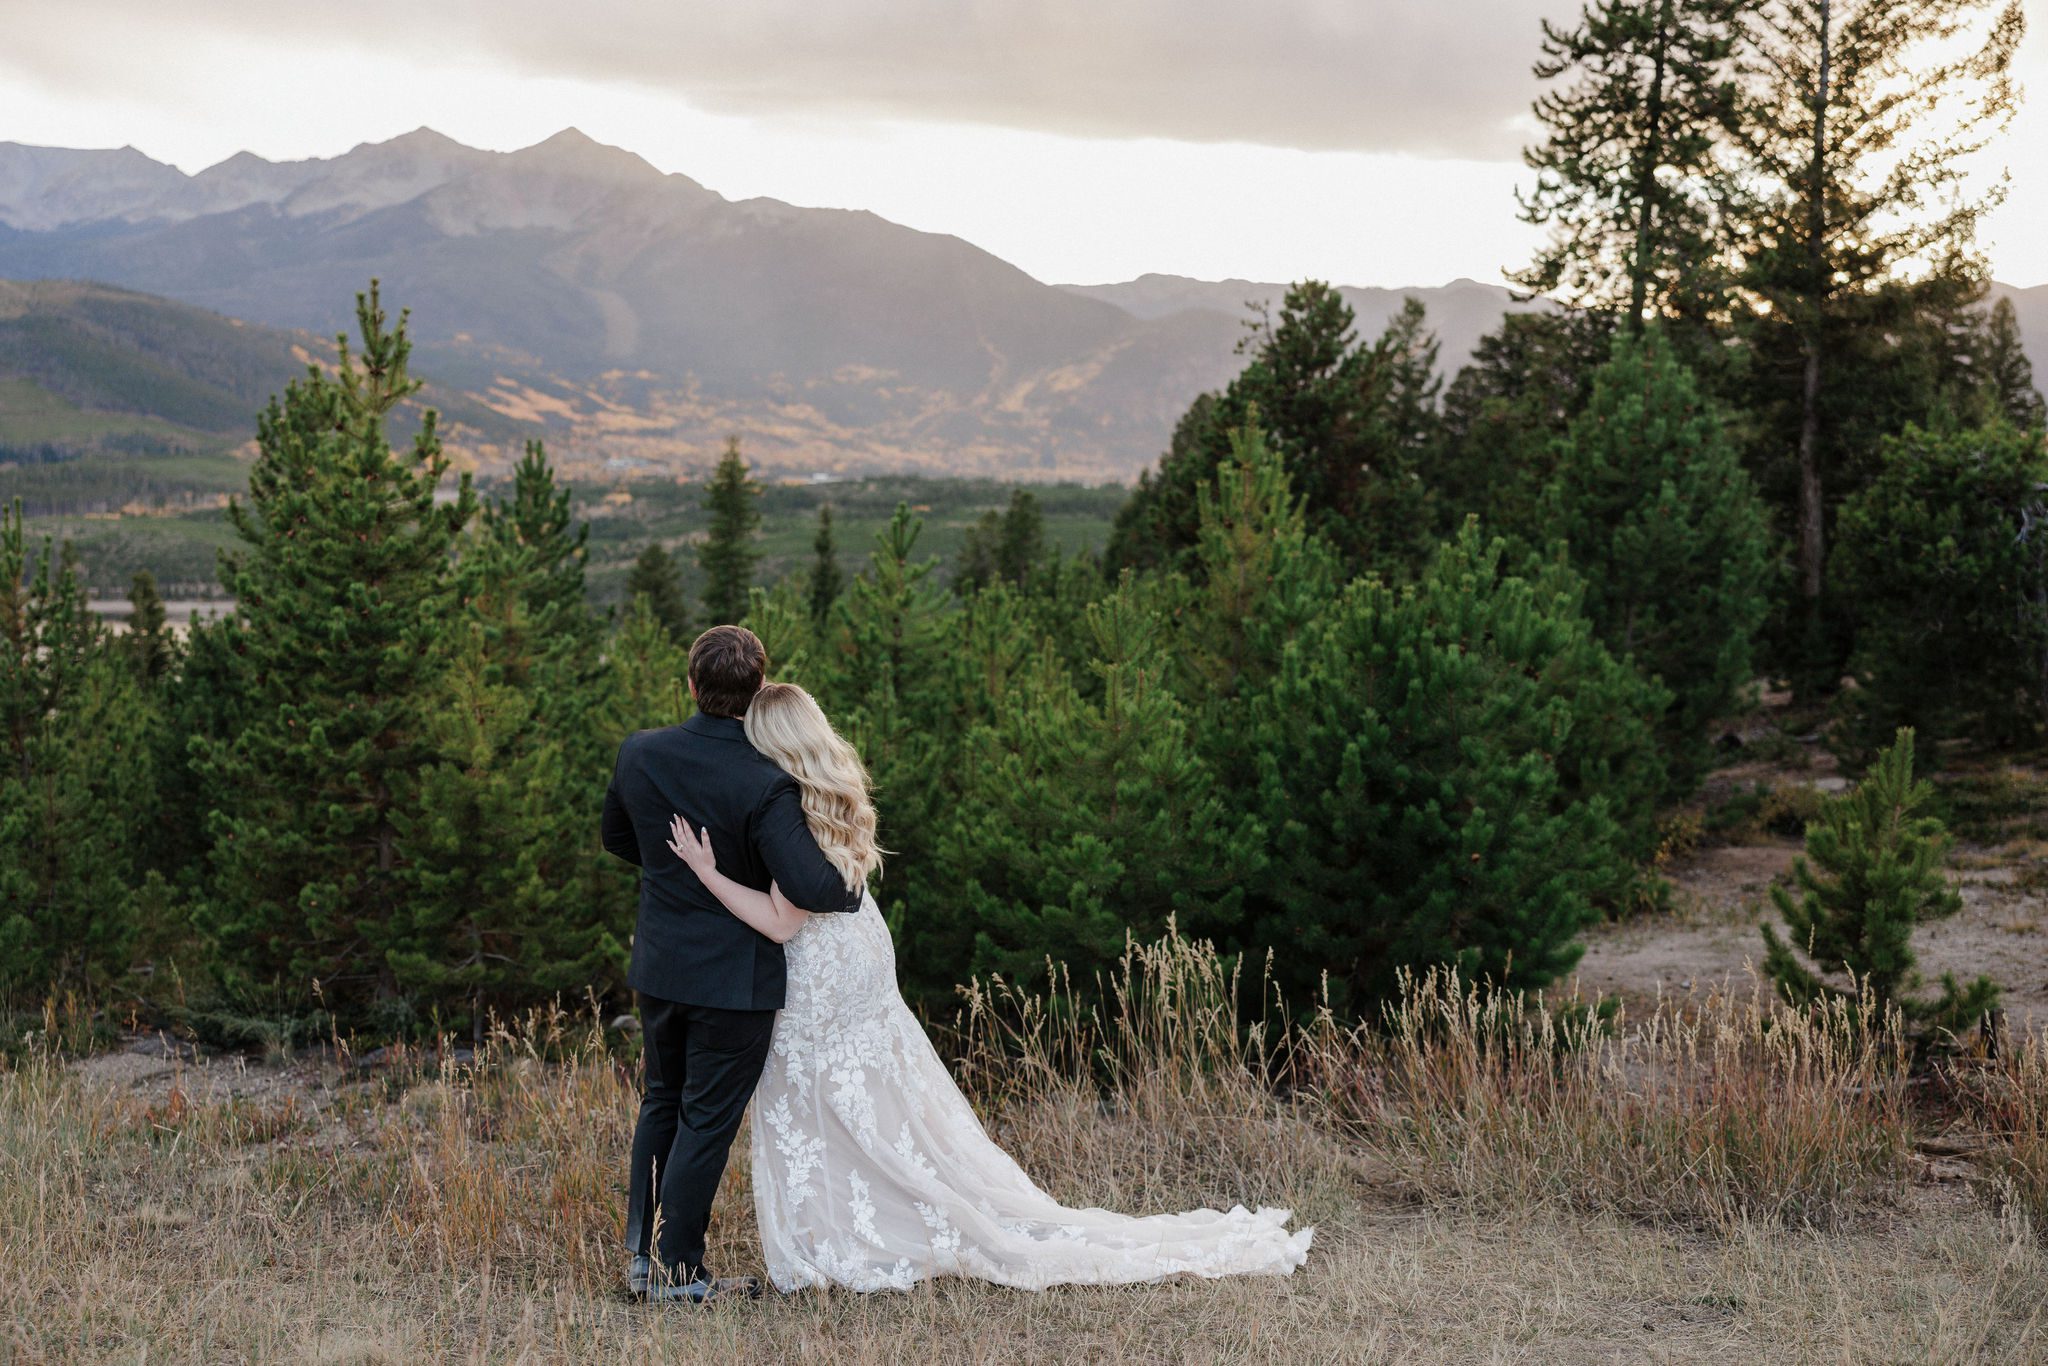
[(692, 847)]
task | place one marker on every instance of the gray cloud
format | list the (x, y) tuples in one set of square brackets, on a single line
[(1416, 76)]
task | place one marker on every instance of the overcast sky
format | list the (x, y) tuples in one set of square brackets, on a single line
[(1363, 141)]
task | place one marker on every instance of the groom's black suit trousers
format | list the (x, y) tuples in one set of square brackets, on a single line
[(701, 1066)]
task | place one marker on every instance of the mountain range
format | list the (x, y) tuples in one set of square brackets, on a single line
[(634, 318)]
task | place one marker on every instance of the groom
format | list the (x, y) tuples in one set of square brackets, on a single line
[(708, 985)]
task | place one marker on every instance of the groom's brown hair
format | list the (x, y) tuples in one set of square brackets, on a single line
[(727, 664)]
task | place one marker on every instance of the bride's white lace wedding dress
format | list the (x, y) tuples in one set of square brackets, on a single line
[(872, 1172)]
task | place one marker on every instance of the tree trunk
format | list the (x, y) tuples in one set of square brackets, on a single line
[(1651, 153), (1811, 545), (1812, 548)]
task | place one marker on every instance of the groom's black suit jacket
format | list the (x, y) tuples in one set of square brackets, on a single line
[(686, 946)]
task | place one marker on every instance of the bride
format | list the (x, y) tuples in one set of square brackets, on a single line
[(870, 1169)]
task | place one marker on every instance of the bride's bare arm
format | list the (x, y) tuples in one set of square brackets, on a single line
[(769, 912)]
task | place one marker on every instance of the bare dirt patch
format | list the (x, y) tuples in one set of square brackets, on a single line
[(1721, 891)]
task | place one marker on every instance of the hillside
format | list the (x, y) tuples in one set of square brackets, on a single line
[(111, 399)]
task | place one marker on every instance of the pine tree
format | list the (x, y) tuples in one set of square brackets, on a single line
[(1410, 778), (1262, 579), (1355, 424), (205, 703), (2008, 374), (525, 584), (891, 679), (1652, 506), (1023, 544), (1502, 416), (828, 581), (655, 577), (538, 518), (648, 666), (343, 597), (1855, 123), (726, 558), (1871, 875), (1626, 174), (1080, 824), (1003, 547), (1154, 526), (150, 645), (76, 775), (1949, 543), (509, 899), (781, 618)]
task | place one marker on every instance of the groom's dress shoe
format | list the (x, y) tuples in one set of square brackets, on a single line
[(639, 1276), (704, 1290)]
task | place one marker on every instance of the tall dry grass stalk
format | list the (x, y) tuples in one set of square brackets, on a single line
[(1714, 1109), (1717, 1108), (2006, 1099)]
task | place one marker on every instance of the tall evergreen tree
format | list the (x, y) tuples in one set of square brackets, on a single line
[(510, 900), (149, 643), (538, 518), (1625, 176), (76, 776), (343, 595), (1502, 416), (1854, 126), (648, 666), (1655, 512), (656, 578), (524, 581), (1081, 824), (890, 677), (2008, 374), (727, 556), (1871, 875), (828, 580), (1263, 580), (1149, 524), (1023, 544), (205, 703), (1355, 423), (781, 617), (1003, 547)]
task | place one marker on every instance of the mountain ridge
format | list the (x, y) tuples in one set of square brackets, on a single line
[(636, 317)]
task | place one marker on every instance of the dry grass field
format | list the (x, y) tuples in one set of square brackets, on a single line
[(1713, 1178)]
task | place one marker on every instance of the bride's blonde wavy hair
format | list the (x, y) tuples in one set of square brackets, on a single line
[(786, 724)]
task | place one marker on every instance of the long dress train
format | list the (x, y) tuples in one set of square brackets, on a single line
[(871, 1171)]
